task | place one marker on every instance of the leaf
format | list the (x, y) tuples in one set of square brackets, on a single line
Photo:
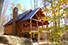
[(51, 41), (29, 32), (19, 5), (57, 13), (48, 6), (38, 18), (56, 37), (58, 33), (44, 12), (60, 0), (53, 14), (66, 1), (44, 19), (39, 33)]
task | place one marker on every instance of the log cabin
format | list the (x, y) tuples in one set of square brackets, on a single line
[(26, 24)]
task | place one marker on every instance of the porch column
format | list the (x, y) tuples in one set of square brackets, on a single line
[(38, 34), (47, 33), (43, 33), (31, 36), (38, 38), (30, 28), (43, 37)]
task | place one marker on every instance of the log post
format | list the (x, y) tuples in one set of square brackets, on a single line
[(43, 33), (43, 37), (42, 25), (38, 38), (30, 28), (31, 36), (38, 34)]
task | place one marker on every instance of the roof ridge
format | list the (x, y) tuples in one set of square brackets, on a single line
[(26, 14)]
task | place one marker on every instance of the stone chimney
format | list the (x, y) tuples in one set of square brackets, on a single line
[(14, 25)]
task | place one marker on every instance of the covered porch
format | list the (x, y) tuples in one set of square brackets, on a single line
[(43, 36), (35, 24)]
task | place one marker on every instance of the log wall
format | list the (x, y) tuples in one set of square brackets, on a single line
[(8, 29)]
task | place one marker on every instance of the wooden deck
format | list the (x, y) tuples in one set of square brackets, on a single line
[(40, 43), (45, 43)]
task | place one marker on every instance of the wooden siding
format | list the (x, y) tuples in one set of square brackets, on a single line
[(27, 29), (8, 29), (18, 27)]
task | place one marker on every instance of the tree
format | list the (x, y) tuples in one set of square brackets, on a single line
[(57, 15), (3, 13), (19, 6), (1, 5)]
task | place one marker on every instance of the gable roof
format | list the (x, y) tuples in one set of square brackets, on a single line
[(24, 16), (30, 15)]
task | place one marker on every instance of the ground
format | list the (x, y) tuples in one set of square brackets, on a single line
[(14, 40)]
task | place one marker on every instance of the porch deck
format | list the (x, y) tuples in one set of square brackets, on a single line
[(40, 43)]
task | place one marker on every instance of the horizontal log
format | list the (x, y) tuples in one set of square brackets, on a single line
[(37, 20)]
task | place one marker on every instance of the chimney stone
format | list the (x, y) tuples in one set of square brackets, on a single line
[(14, 24)]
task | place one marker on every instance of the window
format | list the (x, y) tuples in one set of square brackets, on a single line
[(28, 24), (33, 21), (18, 26), (24, 25)]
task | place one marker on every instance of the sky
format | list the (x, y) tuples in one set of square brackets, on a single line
[(26, 4)]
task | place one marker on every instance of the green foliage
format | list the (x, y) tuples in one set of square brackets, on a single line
[(66, 9), (66, 27), (19, 5), (38, 18), (56, 30), (55, 35)]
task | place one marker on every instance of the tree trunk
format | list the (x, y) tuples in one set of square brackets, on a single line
[(58, 21), (55, 20), (1, 5)]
